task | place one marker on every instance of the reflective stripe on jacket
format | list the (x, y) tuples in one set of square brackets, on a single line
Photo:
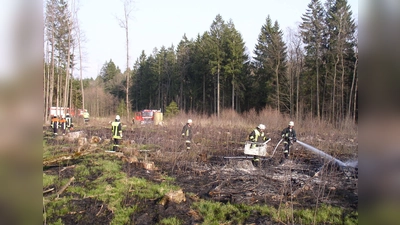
[(116, 129), (257, 136)]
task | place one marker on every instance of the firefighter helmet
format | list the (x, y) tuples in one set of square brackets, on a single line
[(190, 121), (291, 123), (117, 117), (261, 126)]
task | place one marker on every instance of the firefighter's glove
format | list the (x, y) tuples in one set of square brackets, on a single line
[(294, 139)]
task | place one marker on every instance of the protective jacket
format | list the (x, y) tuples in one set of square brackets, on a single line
[(54, 122), (288, 134), (86, 115), (63, 124), (68, 118), (187, 132), (257, 136), (116, 129)]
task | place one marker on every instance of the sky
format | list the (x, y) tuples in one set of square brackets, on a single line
[(157, 23)]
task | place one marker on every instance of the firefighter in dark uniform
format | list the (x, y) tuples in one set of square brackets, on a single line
[(289, 137), (257, 135), (187, 134), (68, 118), (116, 128), (63, 124), (54, 125)]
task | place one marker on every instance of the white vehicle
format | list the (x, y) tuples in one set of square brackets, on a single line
[(256, 148)]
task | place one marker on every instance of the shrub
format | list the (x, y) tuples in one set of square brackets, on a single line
[(172, 109)]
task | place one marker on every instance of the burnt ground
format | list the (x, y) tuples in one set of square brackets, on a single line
[(206, 173)]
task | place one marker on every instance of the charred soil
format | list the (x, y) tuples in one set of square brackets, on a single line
[(305, 181)]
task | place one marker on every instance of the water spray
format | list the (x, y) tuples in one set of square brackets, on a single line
[(323, 154)]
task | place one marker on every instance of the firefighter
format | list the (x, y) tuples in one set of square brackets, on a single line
[(257, 135), (54, 125), (69, 124), (86, 116), (116, 128), (289, 137), (63, 124), (187, 133)]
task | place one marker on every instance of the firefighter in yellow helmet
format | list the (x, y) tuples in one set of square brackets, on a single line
[(116, 128)]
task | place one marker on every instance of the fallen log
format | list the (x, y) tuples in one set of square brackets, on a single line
[(59, 159)]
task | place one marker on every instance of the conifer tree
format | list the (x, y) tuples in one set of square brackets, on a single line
[(312, 31), (269, 63)]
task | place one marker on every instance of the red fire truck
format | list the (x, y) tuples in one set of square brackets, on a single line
[(145, 116)]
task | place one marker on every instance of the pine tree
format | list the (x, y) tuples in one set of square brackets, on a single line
[(312, 31), (269, 63), (217, 55), (341, 30), (234, 60)]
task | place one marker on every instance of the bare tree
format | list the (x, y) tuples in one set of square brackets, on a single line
[(128, 7), (295, 66), (353, 83), (80, 38), (69, 46), (50, 34)]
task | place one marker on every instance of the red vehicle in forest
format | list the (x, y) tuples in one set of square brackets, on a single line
[(145, 116)]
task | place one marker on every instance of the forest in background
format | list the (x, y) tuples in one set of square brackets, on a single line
[(312, 71)]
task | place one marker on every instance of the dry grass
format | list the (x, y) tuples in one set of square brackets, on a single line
[(225, 135)]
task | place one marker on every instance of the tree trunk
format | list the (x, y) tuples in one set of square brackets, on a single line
[(52, 72), (67, 79), (47, 87), (352, 88), (44, 89), (204, 93), (355, 101), (317, 83), (218, 90), (233, 94), (277, 85), (334, 90)]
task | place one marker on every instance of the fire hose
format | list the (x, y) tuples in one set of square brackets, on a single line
[(276, 147)]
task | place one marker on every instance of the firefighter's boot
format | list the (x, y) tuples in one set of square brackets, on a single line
[(256, 161), (286, 153)]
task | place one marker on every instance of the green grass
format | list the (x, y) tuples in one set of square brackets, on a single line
[(49, 179), (219, 213), (170, 221), (102, 178), (56, 207)]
